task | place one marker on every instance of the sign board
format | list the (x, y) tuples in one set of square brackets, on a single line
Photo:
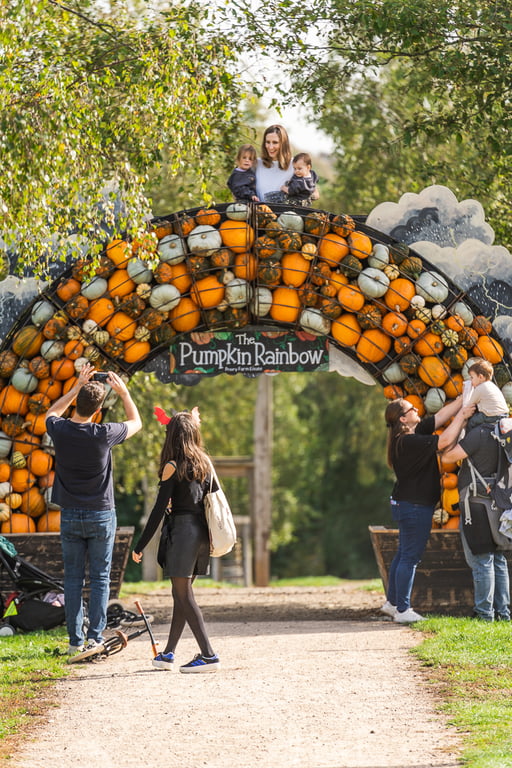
[(249, 351)]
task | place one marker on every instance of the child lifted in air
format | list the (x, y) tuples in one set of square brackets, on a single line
[(482, 392), (242, 181), (301, 188)]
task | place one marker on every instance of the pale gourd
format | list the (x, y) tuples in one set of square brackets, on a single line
[(379, 256), (204, 238), (373, 282), (463, 311), (5, 445), (79, 363), (394, 373), (139, 271), (5, 488), (261, 301), (438, 311), (52, 350), (237, 211), (238, 292), (433, 287), (94, 288), (313, 321), (507, 392), (41, 312), (164, 297), (5, 512), (89, 326), (171, 249), (24, 381), (434, 400), (291, 220)]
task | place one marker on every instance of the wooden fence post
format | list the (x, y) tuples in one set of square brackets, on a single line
[(262, 498)]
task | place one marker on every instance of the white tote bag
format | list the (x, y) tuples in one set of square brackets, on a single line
[(220, 520)]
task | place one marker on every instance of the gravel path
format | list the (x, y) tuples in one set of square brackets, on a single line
[(292, 693)]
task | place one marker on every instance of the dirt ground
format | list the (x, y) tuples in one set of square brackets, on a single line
[(310, 678)]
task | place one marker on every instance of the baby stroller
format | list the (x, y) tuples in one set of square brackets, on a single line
[(36, 600)]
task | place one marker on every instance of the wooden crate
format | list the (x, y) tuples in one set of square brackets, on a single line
[(44, 551), (443, 583)]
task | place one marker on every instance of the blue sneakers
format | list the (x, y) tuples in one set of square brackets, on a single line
[(163, 661), (202, 663)]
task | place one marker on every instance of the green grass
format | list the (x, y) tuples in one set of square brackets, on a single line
[(28, 666), (472, 660)]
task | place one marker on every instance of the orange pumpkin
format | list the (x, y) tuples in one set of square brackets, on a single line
[(22, 480), (373, 346), (121, 326), (50, 387), (295, 269), (13, 401), (453, 386), (39, 367), (62, 369), (119, 251), (27, 341), (433, 371), (393, 392), (136, 350), (245, 266), (333, 248), (399, 294), (346, 330), (49, 522), (488, 348), (39, 462), (208, 216), (429, 344), (120, 283), (285, 305), (32, 502), (449, 480), (452, 524), (18, 523), (38, 402), (237, 235), (395, 324), (482, 325), (36, 423), (450, 500), (5, 471), (55, 327), (415, 328), (208, 292), (68, 288), (180, 277), (73, 349), (46, 481), (101, 310), (185, 316), (351, 298), (25, 443), (360, 244)]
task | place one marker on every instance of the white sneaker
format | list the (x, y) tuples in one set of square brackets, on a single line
[(74, 649), (388, 609), (407, 617)]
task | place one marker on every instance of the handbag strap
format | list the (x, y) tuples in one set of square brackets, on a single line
[(473, 489)]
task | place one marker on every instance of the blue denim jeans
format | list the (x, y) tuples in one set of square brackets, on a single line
[(490, 583), (87, 536), (414, 525)]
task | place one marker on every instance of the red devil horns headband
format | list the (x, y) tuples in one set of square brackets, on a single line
[(161, 415)]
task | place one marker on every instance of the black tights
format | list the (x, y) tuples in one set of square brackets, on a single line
[(186, 611)]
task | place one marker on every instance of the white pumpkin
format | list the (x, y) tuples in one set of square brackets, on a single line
[(463, 311), (379, 256), (5, 488), (507, 392), (164, 297), (394, 374), (438, 311), (434, 399), (204, 238), (238, 292), (373, 282), (171, 249), (41, 312), (237, 211), (94, 288), (79, 363), (433, 287), (5, 513), (291, 220), (51, 349), (313, 321), (5, 445), (139, 271), (24, 381), (261, 301), (89, 326), (47, 444)]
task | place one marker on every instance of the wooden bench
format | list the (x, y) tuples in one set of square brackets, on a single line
[(443, 583), (44, 551)]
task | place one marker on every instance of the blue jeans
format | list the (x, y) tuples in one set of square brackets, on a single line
[(87, 535), (414, 525), (490, 583)]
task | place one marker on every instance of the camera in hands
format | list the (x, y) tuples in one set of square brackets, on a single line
[(100, 376)]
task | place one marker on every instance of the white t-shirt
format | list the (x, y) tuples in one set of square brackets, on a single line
[(271, 179), (489, 399)]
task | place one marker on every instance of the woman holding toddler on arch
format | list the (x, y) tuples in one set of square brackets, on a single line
[(274, 168)]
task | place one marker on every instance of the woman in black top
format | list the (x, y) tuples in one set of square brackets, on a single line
[(185, 477), (412, 450)]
